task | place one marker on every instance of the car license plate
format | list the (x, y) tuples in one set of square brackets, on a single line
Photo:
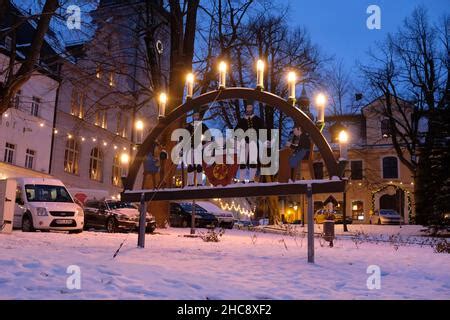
[(63, 221)]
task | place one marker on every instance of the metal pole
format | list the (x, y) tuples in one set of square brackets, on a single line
[(142, 221), (193, 208), (310, 225), (344, 209)]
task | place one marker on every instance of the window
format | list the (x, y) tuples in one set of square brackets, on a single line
[(35, 104), (358, 210), (71, 156), (17, 99), (112, 80), (116, 172), (122, 125), (101, 119), (96, 165), (385, 128), (9, 152), (47, 193), (318, 170), (29, 158), (77, 104), (98, 71), (390, 168), (357, 170)]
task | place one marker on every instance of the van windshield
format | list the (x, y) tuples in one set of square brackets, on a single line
[(47, 193)]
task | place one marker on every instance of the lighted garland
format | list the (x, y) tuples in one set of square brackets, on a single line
[(408, 198)]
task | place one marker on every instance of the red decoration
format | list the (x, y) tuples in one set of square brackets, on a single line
[(221, 173)]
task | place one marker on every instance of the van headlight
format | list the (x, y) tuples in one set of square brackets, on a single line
[(41, 211), (80, 212)]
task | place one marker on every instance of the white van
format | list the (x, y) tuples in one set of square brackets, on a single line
[(45, 204)]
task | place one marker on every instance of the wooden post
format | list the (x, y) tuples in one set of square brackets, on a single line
[(142, 221), (310, 225)]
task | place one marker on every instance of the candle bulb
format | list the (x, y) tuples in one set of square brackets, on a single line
[(222, 74), (260, 74), (162, 105), (190, 85), (320, 102), (292, 78), (343, 140)]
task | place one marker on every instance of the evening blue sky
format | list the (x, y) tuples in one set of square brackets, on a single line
[(339, 27)]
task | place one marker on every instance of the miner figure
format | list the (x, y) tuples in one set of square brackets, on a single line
[(192, 168), (249, 121), (300, 144)]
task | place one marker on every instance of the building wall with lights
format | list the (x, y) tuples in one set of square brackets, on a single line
[(26, 128), (105, 92), (377, 178)]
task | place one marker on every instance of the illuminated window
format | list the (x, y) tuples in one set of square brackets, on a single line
[(116, 172), (71, 156), (101, 119), (358, 210), (96, 165), (77, 104)]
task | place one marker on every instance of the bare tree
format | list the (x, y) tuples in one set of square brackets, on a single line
[(15, 76), (413, 65)]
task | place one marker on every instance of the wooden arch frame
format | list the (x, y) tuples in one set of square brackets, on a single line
[(299, 117)]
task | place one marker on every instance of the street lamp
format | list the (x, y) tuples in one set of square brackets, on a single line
[(222, 74), (321, 100), (260, 74), (190, 85), (162, 105), (292, 79), (343, 140)]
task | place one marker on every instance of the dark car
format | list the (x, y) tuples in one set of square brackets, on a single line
[(181, 214), (115, 216)]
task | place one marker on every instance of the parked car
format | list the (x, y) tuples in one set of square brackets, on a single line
[(181, 215), (339, 218), (225, 218), (263, 222), (321, 215), (45, 204), (115, 216), (243, 224), (385, 216)]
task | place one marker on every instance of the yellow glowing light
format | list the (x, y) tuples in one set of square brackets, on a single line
[(292, 77), (82, 139), (321, 100), (105, 143), (115, 147), (222, 66), (260, 65), (94, 139), (343, 136), (69, 136), (41, 124), (124, 158), (55, 131), (139, 125), (163, 98), (190, 78)]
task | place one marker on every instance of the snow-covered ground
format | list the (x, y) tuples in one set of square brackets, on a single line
[(244, 265)]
